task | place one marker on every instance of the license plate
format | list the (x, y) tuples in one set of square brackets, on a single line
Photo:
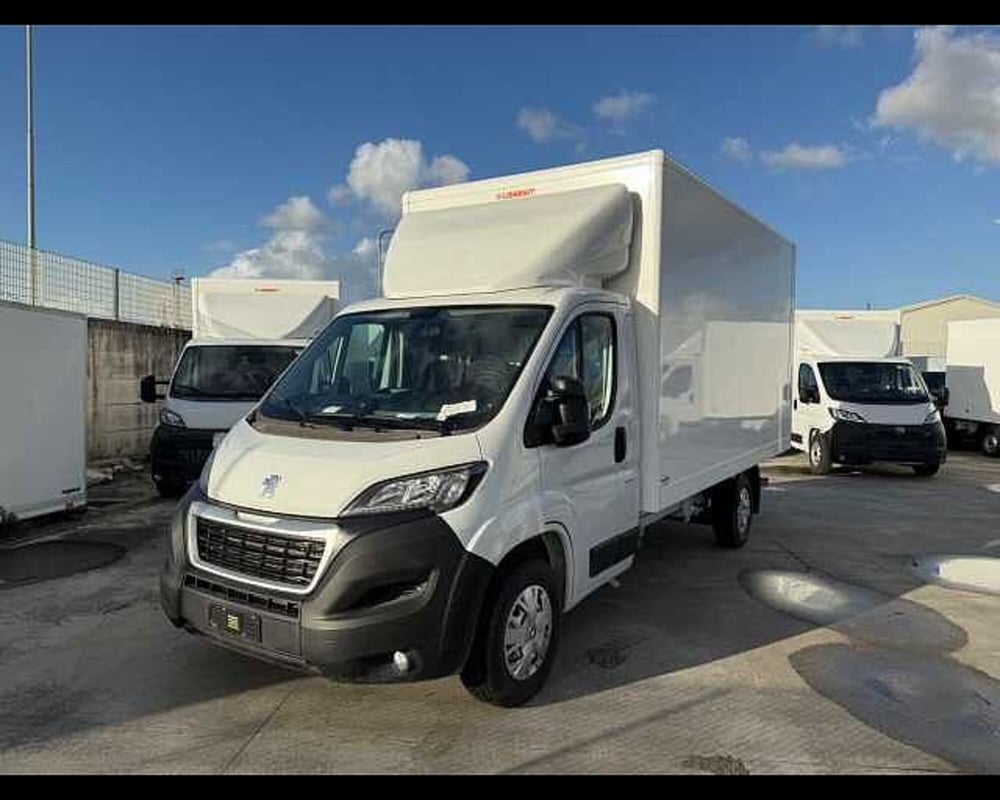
[(217, 438), (234, 623)]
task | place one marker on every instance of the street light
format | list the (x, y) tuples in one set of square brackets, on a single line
[(32, 240)]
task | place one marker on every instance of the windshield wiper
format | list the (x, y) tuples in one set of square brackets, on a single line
[(298, 412), (193, 390)]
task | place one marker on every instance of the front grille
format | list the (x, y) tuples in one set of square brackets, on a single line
[(288, 560), (276, 605)]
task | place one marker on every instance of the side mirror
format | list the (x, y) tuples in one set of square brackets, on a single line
[(147, 389), (943, 397), (567, 399)]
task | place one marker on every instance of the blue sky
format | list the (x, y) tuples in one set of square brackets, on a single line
[(877, 151)]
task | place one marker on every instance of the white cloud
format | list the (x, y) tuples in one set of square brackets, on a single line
[(622, 107), (296, 214), (738, 149), (952, 97), (381, 172), (797, 156), (840, 35), (543, 125)]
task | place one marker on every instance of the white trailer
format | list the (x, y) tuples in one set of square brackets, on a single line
[(43, 365), (456, 463), (973, 381)]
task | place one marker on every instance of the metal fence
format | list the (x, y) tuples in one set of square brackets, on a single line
[(48, 279)]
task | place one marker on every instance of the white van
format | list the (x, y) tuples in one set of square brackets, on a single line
[(447, 469), (853, 410), (245, 332)]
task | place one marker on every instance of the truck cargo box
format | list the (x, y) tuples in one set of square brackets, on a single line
[(43, 373), (973, 370)]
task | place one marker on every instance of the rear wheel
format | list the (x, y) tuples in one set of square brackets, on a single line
[(926, 470), (516, 643), (819, 453), (732, 512)]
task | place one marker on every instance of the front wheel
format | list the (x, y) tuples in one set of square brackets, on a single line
[(926, 470), (515, 647), (732, 512), (819, 453), (990, 443)]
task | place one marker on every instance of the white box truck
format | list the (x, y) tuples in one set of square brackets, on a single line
[(973, 381), (857, 402), (244, 333), (448, 468), (43, 386)]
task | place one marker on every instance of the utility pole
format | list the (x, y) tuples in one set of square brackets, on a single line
[(32, 238)]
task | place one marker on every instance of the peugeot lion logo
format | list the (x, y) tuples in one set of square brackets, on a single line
[(269, 484)]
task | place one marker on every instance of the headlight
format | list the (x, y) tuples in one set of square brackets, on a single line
[(438, 491), (933, 417), (846, 416), (203, 478), (172, 418)]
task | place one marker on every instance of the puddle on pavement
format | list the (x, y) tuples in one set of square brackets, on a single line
[(935, 704), (46, 560), (971, 573), (809, 596)]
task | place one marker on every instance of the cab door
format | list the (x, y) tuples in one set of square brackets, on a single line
[(592, 488), (807, 407)]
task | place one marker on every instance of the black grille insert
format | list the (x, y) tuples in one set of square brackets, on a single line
[(288, 560), (276, 605)]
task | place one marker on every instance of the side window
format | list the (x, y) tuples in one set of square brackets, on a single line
[(598, 337), (587, 353), (807, 383)]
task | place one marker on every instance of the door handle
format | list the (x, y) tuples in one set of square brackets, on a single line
[(620, 444), (795, 404)]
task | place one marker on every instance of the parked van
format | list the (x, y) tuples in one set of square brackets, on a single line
[(449, 468), (245, 332), (857, 411)]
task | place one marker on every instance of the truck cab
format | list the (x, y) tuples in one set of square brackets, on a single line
[(214, 384), (853, 410)]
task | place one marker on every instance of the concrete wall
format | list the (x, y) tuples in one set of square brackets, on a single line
[(924, 330), (119, 424)]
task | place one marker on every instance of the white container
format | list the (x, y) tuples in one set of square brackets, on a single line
[(43, 372)]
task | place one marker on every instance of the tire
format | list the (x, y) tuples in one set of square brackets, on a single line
[(819, 453), (926, 470), (990, 442), (168, 488), (486, 674), (732, 512)]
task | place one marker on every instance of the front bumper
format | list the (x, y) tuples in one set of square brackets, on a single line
[(862, 443), (400, 583), (178, 454)]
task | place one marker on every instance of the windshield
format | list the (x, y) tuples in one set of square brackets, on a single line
[(872, 382), (435, 368), (229, 372)]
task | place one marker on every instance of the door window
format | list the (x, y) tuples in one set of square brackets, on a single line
[(587, 352), (807, 383)]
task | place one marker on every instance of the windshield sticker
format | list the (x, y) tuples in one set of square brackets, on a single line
[(453, 409)]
